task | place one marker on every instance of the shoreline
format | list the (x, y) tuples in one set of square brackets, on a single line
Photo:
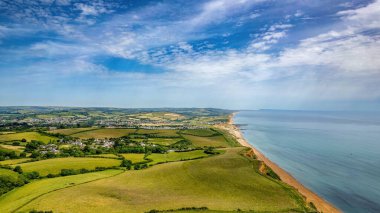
[(321, 204)]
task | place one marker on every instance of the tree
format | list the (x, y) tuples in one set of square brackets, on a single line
[(126, 163), (23, 140), (18, 169)]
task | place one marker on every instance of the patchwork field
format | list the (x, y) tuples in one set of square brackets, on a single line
[(13, 161), (216, 141), (103, 133), (19, 197), (8, 173), (70, 131), (26, 135), (135, 158), (176, 156), (54, 165), (164, 141), (199, 132), (17, 149), (226, 182), (159, 132)]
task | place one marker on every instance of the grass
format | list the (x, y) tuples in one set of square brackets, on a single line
[(164, 141), (15, 199), (225, 182), (9, 173), (159, 132), (175, 156), (199, 132), (70, 131), (17, 149), (54, 166), (26, 135), (105, 155), (104, 133), (14, 161), (215, 141), (135, 158)]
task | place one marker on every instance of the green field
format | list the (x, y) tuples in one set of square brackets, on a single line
[(103, 133), (199, 132), (164, 141), (9, 173), (70, 131), (175, 156), (17, 149), (159, 132), (135, 158), (13, 161), (26, 135), (215, 141), (15, 199), (54, 165), (105, 156), (225, 182)]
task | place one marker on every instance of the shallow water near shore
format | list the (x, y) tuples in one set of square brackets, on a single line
[(335, 154)]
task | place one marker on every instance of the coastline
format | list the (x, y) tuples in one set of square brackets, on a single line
[(321, 204)]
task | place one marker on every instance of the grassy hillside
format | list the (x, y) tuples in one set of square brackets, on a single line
[(135, 158), (175, 156), (54, 166), (13, 161), (225, 182), (103, 133), (216, 141), (70, 131), (27, 193), (26, 135)]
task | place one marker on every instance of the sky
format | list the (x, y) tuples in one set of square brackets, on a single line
[(233, 54)]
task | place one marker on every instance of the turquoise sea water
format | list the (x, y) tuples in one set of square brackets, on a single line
[(335, 154)]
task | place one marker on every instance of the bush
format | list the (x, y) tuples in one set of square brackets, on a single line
[(32, 175), (8, 183), (18, 169), (66, 172), (16, 143), (126, 163)]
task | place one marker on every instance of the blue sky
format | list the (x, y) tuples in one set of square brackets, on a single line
[(243, 54)]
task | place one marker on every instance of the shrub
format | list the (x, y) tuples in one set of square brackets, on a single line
[(66, 172), (18, 169), (32, 175)]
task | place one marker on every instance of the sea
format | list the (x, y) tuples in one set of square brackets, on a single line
[(335, 154)]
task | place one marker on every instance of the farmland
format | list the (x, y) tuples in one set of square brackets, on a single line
[(135, 158), (226, 182), (198, 141), (103, 133), (71, 131), (29, 136), (175, 156), (54, 166), (23, 195)]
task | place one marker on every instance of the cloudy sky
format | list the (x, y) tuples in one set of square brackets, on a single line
[(237, 54)]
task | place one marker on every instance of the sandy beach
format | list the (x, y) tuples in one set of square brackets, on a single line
[(321, 204)]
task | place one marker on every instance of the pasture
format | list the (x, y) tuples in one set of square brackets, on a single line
[(164, 141), (175, 156), (215, 141), (225, 182), (199, 132), (21, 196), (135, 158), (70, 131), (104, 133), (29, 136), (14, 161), (8, 173), (54, 165), (159, 132), (17, 149)]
